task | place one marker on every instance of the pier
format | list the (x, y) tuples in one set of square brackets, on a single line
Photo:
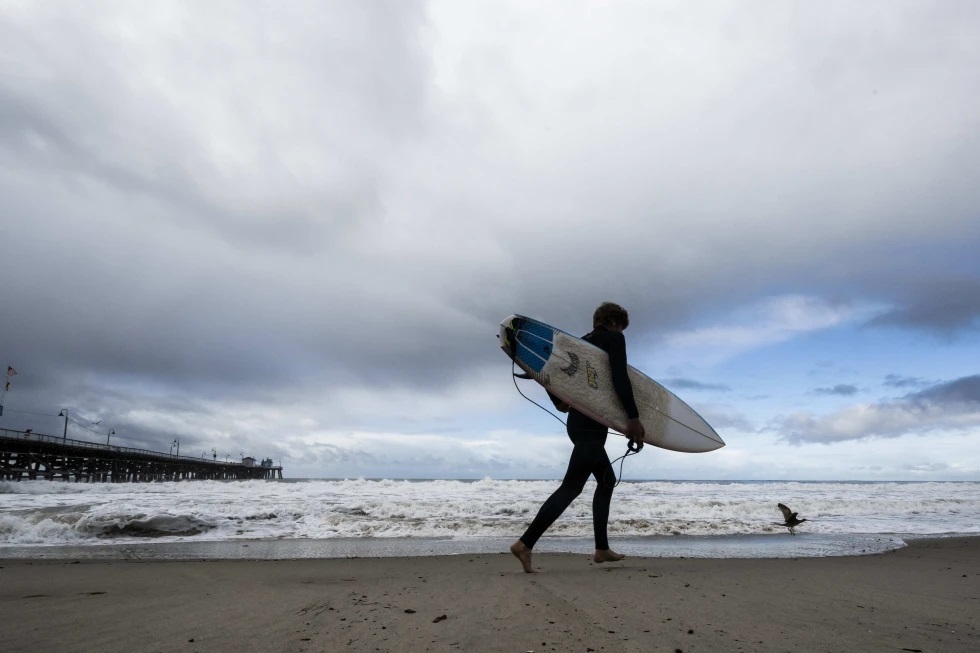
[(31, 456)]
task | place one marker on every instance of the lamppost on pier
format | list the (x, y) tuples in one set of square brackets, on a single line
[(108, 435), (64, 413)]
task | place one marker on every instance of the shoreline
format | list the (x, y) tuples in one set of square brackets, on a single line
[(922, 597), (769, 545)]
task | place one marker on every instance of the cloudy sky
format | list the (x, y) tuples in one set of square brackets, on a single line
[(290, 230)]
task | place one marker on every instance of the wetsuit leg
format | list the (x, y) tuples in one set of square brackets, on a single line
[(605, 478), (586, 459)]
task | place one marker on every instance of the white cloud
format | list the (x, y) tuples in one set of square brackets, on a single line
[(946, 455), (882, 420), (767, 322)]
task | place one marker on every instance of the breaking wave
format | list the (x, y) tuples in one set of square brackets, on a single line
[(42, 513)]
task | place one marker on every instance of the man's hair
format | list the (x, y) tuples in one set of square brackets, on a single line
[(610, 314)]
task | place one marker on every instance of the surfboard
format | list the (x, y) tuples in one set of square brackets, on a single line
[(578, 373)]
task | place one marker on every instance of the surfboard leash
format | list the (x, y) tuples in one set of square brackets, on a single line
[(621, 460), (514, 376)]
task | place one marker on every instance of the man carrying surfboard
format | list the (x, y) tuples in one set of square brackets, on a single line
[(589, 439)]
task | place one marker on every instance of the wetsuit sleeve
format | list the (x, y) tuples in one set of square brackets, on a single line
[(616, 348)]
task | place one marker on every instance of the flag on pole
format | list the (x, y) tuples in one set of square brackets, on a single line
[(11, 371)]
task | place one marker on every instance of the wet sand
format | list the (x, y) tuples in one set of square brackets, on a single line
[(925, 597)]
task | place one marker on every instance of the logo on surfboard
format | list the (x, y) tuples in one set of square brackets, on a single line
[(572, 366), (592, 376)]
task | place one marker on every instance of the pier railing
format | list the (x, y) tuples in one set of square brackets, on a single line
[(57, 439)]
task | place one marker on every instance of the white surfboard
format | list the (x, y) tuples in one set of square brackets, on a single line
[(578, 373)]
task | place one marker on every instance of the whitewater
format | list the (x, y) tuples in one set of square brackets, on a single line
[(363, 517)]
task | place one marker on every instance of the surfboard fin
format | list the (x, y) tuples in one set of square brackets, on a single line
[(510, 342)]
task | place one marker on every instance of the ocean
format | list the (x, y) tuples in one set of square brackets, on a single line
[(376, 518)]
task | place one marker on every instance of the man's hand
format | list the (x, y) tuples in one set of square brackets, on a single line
[(635, 432), (634, 429)]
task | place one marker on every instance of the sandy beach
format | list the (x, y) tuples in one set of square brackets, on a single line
[(925, 597)]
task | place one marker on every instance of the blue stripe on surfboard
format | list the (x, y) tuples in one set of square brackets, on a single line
[(534, 343)]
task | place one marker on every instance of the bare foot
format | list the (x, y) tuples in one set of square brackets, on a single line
[(606, 555), (523, 553)]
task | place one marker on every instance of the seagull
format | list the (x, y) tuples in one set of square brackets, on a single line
[(792, 521)]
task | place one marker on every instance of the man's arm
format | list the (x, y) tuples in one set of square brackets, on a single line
[(616, 348)]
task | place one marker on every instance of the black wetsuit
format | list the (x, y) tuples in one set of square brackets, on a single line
[(589, 454)]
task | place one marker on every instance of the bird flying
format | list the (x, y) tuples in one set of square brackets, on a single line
[(792, 521)]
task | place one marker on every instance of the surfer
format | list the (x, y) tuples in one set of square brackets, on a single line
[(589, 439)]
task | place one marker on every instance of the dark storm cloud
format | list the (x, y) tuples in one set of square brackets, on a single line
[(139, 258), (37, 135), (841, 389), (950, 405), (945, 306), (157, 270), (953, 393), (223, 152)]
